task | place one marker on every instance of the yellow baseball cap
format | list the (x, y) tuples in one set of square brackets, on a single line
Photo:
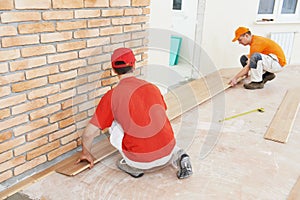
[(238, 32)]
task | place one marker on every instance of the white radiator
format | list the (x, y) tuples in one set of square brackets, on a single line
[(286, 41)]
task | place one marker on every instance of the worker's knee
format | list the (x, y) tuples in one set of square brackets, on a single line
[(244, 60), (254, 59)]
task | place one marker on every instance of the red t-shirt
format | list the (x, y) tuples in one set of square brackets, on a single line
[(140, 109)]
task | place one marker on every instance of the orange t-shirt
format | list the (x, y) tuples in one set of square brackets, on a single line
[(267, 46), (139, 108)]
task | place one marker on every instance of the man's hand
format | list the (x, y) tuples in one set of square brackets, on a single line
[(233, 82), (86, 156)]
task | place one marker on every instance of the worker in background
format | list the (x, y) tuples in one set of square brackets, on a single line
[(135, 113), (265, 58)]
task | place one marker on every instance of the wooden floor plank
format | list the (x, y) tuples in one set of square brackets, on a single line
[(295, 192), (282, 122)]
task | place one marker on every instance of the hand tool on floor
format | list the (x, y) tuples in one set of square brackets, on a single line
[(244, 113)]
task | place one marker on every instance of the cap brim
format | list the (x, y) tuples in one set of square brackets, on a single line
[(234, 39)]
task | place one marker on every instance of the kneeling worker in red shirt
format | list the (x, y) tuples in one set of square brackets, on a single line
[(135, 113)]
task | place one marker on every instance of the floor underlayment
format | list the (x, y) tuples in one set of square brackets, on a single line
[(231, 160)]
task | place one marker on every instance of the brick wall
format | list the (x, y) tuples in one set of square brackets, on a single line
[(54, 68)]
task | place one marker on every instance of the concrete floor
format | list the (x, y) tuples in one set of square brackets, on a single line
[(231, 160)]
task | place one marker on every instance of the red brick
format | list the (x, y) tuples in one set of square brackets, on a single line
[(62, 57), (133, 11), (30, 126), (71, 46), (30, 145), (6, 156), (11, 78), (82, 124), (98, 41), (112, 13), (8, 17), (89, 69), (75, 101), (55, 37), (12, 163), (41, 132), (90, 52), (27, 63), (5, 136), (28, 106), (20, 40), (122, 21), (140, 19), (4, 91), (5, 175), (4, 113), (87, 13), (36, 28), (41, 72), (3, 68), (120, 38), (86, 33), (86, 88), (98, 22), (62, 115), (37, 50), (146, 11), (9, 54), (45, 111), (6, 5), (7, 30), (61, 133), (29, 165), (99, 92), (57, 15), (27, 85), (37, 93), (11, 144), (61, 96), (12, 100), (99, 59), (43, 150), (32, 4), (61, 26), (62, 150), (133, 43), (62, 76), (140, 2), (66, 122), (96, 3), (131, 28), (69, 138), (72, 65), (111, 30), (67, 3)]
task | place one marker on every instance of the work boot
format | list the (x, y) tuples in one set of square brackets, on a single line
[(185, 167), (134, 172), (254, 85), (268, 76)]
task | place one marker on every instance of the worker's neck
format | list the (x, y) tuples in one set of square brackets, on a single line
[(127, 75)]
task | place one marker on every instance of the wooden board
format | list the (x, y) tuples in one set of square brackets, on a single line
[(295, 192), (282, 123), (100, 151)]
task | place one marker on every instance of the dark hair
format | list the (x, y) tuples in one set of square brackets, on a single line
[(122, 70), (249, 33)]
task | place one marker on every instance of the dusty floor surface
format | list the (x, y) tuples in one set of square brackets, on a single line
[(231, 160)]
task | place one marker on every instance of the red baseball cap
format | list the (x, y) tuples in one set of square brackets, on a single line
[(124, 55)]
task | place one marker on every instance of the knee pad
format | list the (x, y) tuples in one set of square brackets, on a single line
[(243, 60)]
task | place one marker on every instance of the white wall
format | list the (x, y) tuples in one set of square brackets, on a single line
[(221, 20)]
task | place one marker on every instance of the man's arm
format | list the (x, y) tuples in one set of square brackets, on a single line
[(90, 132), (243, 72)]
